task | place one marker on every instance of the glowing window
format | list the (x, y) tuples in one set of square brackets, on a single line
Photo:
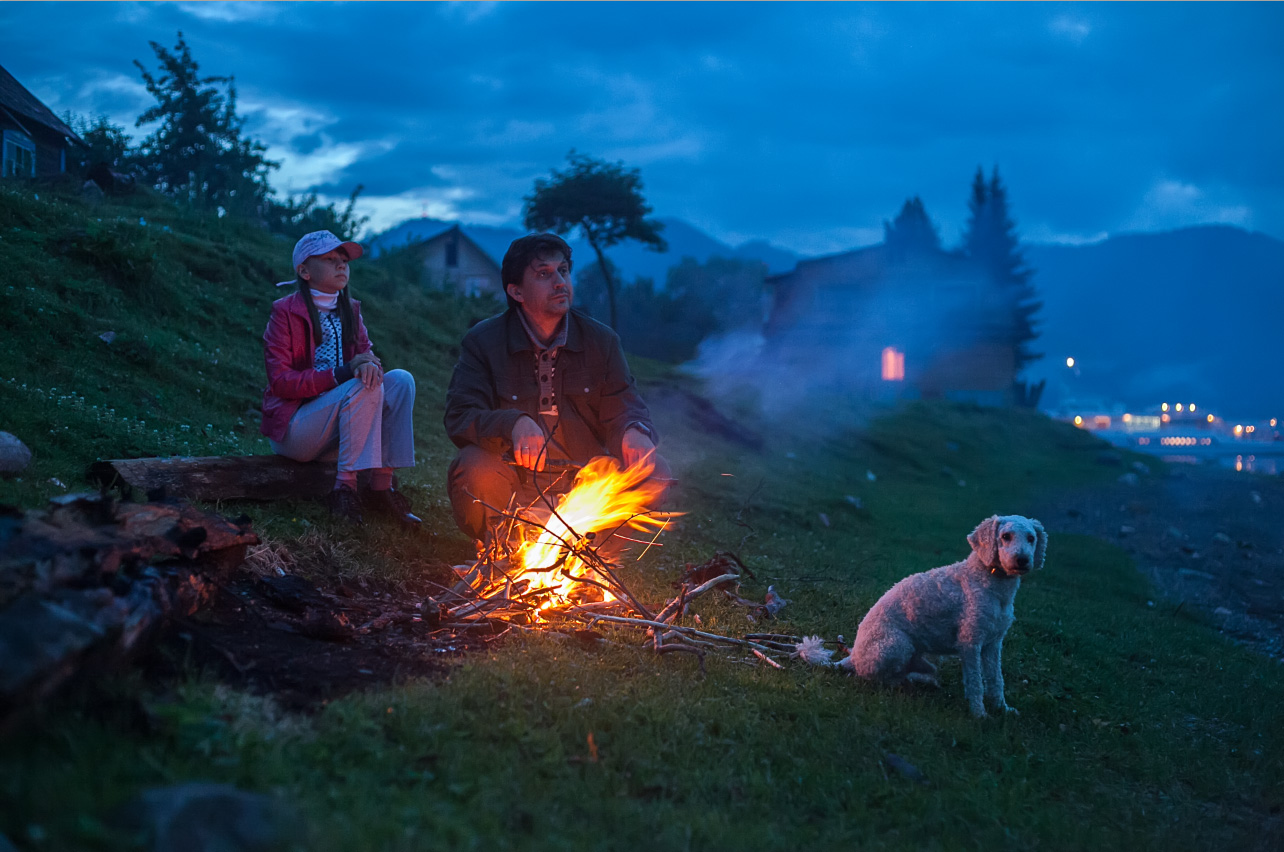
[(893, 365)]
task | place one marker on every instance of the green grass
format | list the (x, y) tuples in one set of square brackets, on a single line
[(1138, 729)]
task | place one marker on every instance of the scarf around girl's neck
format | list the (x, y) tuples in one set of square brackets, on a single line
[(324, 301)]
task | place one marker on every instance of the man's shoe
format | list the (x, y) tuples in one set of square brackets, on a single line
[(343, 503), (393, 504)]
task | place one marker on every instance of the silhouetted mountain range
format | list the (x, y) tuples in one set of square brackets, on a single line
[(635, 261), (1193, 315)]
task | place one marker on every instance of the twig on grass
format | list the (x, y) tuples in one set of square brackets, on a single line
[(686, 649), (768, 660), (690, 631)]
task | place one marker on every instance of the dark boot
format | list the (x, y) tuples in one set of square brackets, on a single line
[(393, 504), (343, 503)]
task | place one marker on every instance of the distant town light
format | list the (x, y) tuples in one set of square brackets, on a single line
[(1127, 418), (1165, 417), (1163, 407), (1239, 430), (1078, 421), (1273, 422), (1210, 418), (1179, 408), (1069, 362), (1250, 429), (1192, 407)]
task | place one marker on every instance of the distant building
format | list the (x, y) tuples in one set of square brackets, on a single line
[(35, 140), (451, 260), (894, 324)]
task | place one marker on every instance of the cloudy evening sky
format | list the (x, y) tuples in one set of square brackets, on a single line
[(803, 124)]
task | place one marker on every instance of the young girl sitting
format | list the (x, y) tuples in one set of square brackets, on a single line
[(327, 389)]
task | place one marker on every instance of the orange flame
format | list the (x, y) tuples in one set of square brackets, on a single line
[(604, 497)]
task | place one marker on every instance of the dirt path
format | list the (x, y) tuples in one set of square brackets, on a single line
[(1209, 538)]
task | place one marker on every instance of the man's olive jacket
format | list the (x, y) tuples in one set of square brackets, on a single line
[(494, 384)]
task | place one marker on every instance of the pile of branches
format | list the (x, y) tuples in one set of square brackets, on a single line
[(490, 592)]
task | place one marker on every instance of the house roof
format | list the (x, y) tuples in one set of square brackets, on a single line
[(456, 229), (19, 102)]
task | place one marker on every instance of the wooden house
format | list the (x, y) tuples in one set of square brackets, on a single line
[(884, 324), (35, 140), (451, 260)]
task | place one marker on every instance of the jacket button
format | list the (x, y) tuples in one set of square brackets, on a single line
[(586, 390), (514, 397)]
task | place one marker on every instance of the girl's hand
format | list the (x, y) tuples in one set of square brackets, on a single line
[(370, 373)]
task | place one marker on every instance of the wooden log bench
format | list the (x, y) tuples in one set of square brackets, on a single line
[(210, 478)]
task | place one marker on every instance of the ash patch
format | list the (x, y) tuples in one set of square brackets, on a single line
[(306, 644)]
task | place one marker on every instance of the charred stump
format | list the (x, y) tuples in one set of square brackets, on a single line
[(86, 582)]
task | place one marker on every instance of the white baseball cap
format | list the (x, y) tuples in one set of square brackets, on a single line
[(320, 242)]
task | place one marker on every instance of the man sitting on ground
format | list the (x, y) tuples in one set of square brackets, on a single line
[(542, 382)]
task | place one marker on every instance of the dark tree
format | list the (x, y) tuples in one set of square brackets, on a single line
[(912, 231), (295, 217), (198, 152), (991, 242), (604, 200), (105, 143)]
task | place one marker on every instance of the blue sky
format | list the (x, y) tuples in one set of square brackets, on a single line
[(803, 124)]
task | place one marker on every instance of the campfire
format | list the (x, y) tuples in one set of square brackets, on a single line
[(565, 555), (550, 565), (543, 559)]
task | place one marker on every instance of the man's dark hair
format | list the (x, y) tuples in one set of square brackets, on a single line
[(523, 251)]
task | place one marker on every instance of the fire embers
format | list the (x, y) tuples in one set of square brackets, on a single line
[(541, 560)]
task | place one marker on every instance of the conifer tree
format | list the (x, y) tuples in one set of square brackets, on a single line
[(198, 152), (991, 241), (911, 231)]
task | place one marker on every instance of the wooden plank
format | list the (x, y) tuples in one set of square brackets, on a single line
[(217, 477)]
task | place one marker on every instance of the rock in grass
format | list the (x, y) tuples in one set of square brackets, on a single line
[(209, 816), (14, 455), (903, 767)]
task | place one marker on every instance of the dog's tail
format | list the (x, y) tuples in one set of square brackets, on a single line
[(812, 651)]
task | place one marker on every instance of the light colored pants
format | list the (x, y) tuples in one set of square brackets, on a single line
[(371, 428)]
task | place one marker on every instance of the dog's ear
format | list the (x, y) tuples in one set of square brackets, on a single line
[(1040, 545), (985, 541)]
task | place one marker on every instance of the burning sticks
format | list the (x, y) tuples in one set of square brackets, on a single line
[(539, 566)]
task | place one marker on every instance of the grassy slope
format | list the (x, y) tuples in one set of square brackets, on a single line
[(1137, 728)]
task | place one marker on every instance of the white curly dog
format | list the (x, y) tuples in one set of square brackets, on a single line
[(963, 609)]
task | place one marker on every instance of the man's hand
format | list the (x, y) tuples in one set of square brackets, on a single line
[(528, 444), (370, 373), (635, 445)]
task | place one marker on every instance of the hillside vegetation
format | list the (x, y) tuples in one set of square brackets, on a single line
[(1138, 728)]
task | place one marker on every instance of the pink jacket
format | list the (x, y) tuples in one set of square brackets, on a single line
[(289, 353)]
